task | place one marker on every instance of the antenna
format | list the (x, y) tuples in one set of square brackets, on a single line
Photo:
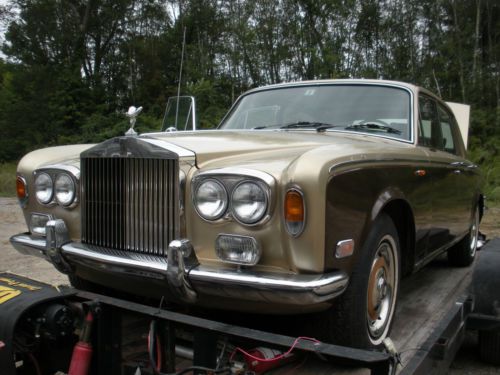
[(180, 78)]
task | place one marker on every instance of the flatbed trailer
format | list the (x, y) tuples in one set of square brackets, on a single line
[(436, 307)]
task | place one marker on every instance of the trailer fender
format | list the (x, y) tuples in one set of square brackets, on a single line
[(486, 291), (18, 295), (486, 280)]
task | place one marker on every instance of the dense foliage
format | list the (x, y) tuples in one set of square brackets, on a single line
[(72, 67)]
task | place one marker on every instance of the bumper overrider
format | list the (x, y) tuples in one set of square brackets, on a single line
[(184, 277)]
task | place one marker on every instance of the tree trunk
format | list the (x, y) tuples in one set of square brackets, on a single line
[(476, 42)]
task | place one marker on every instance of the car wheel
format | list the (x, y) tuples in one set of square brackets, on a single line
[(363, 314), (462, 254)]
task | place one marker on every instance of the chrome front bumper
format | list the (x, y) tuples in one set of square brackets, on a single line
[(183, 275)]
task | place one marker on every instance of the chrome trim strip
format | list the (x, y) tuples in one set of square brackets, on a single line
[(223, 175), (29, 245), (404, 162), (300, 191), (340, 82), (181, 151), (279, 288), (234, 171), (62, 167), (76, 250), (53, 171), (193, 109), (321, 285), (24, 201)]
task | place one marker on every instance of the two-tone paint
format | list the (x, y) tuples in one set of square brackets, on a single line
[(347, 179)]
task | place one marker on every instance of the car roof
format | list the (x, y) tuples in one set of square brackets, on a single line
[(336, 82)]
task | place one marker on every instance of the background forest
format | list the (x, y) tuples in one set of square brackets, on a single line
[(70, 68)]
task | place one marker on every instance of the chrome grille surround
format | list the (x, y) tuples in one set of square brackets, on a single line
[(130, 196)]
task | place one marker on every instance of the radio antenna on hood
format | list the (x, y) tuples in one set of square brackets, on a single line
[(180, 77)]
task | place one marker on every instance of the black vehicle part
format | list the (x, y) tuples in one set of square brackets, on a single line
[(83, 284), (108, 330), (486, 280), (53, 321), (121, 322), (486, 291), (18, 295), (489, 346)]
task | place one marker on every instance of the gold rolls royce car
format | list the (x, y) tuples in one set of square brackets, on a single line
[(310, 197)]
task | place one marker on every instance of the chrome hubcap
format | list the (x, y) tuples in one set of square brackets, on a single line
[(382, 289)]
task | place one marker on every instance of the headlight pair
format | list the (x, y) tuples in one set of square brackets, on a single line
[(247, 200), (61, 187)]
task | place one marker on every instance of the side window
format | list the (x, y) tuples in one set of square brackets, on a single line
[(446, 123), (428, 125)]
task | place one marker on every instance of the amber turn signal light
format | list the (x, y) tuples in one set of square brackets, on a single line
[(294, 206), (294, 212), (22, 192)]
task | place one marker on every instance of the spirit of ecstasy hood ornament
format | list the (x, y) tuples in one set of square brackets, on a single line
[(132, 114)]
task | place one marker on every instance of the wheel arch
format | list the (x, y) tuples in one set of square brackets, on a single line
[(401, 215)]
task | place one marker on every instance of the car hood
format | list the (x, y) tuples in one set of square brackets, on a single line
[(220, 147), (272, 151)]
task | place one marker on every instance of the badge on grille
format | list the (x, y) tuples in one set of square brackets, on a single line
[(132, 114)]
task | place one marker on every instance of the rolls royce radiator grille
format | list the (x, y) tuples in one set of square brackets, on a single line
[(129, 203)]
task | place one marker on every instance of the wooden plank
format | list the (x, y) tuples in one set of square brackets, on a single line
[(424, 299)]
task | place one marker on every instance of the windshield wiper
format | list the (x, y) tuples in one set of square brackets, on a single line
[(373, 126), (319, 126), (304, 124)]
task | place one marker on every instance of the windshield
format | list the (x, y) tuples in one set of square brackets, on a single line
[(372, 109)]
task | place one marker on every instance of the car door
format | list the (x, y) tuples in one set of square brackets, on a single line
[(463, 170), (445, 172)]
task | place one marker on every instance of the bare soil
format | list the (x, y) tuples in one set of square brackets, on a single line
[(12, 222)]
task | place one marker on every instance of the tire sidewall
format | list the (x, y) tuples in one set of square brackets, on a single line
[(383, 228), (461, 255)]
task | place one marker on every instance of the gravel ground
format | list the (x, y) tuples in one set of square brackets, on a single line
[(12, 222)]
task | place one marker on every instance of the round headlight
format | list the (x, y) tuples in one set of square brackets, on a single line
[(249, 202), (44, 188), (65, 191), (210, 199)]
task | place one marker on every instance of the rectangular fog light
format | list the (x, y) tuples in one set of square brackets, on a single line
[(234, 249), (37, 224)]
